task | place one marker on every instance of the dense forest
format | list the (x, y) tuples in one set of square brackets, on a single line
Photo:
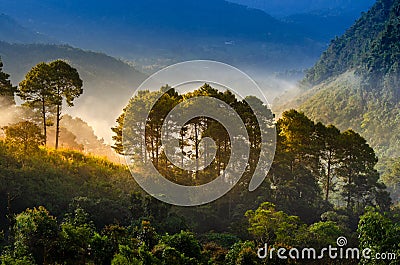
[(354, 84), (371, 46), (61, 206)]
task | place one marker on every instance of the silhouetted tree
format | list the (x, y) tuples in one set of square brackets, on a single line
[(7, 90)]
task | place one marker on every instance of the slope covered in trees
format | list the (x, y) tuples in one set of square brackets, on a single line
[(102, 76), (369, 46), (315, 167), (95, 212), (45, 88), (65, 207), (355, 82)]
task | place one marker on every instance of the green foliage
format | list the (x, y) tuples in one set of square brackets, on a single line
[(296, 170), (358, 171), (324, 233), (48, 85), (10, 259), (341, 220), (371, 112), (76, 237), (224, 240), (57, 179), (36, 234), (343, 162), (357, 79), (125, 256), (25, 136), (185, 243), (379, 233), (67, 86), (269, 226), (390, 170), (214, 253), (242, 253), (169, 255), (365, 45), (312, 160), (146, 147), (37, 91), (147, 235)]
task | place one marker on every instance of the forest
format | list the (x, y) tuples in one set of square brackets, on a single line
[(62, 205), (355, 83)]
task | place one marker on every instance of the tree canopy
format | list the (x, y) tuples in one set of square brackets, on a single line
[(46, 86), (7, 90)]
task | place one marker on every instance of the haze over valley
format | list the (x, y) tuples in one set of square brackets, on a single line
[(149, 35)]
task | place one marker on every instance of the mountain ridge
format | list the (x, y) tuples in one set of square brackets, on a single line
[(169, 31), (354, 49), (355, 82), (107, 81)]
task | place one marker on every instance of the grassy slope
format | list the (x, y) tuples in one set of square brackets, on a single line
[(59, 179)]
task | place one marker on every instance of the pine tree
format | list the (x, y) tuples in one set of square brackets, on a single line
[(7, 90)]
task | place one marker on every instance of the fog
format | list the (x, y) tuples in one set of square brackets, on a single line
[(101, 112), (101, 104)]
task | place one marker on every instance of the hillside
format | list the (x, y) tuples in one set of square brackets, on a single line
[(157, 33), (108, 82), (345, 103), (317, 20), (355, 82), (58, 179), (371, 46)]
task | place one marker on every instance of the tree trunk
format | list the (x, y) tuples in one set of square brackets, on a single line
[(349, 194), (152, 142), (182, 149), (196, 143), (144, 142), (157, 145), (58, 125), (44, 121), (328, 178)]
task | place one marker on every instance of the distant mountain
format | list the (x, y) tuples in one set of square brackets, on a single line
[(324, 24), (195, 18), (320, 20), (285, 8), (156, 33), (108, 82), (373, 35), (356, 81), (11, 31)]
